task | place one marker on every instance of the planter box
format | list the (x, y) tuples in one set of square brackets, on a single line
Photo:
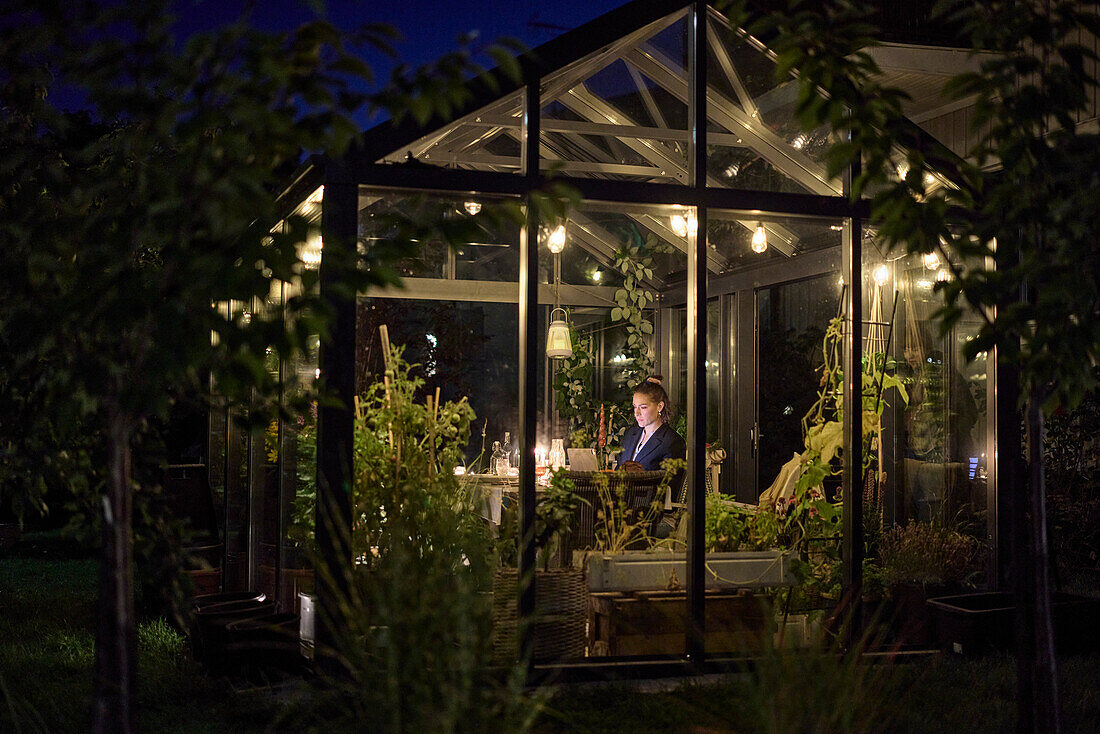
[(653, 623), (648, 571), (972, 624)]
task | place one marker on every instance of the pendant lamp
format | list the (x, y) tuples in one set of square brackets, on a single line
[(558, 344)]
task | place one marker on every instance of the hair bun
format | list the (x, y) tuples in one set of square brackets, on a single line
[(655, 379)]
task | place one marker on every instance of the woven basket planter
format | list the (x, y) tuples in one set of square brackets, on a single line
[(561, 609)]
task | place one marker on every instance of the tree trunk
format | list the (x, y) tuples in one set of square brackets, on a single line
[(116, 633), (1039, 711)]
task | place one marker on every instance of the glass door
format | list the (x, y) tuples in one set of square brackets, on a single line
[(791, 319)]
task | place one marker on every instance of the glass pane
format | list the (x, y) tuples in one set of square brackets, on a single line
[(622, 112), (927, 485), (217, 446), (792, 319), (942, 434), (614, 330), (457, 326), (715, 324), (485, 140), (264, 463), (754, 141), (491, 255), (236, 500), (773, 298), (298, 471), (736, 240)]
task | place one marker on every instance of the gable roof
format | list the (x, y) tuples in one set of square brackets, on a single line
[(903, 24)]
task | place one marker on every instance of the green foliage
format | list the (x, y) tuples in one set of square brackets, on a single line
[(1025, 196), (413, 631), (620, 525), (1070, 460), (923, 554), (823, 424), (303, 509), (730, 526), (635, 261), (404, 458), (554, 510)]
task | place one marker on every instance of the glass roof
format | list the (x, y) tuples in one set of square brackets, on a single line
[(621, 113)]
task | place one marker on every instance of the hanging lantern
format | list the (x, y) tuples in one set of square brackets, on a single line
[(558, 344)]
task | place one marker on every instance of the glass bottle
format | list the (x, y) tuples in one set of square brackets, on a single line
[(507, 449), (556, 458), (497, 462)]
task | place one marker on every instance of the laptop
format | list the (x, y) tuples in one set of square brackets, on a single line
[(582, 459)]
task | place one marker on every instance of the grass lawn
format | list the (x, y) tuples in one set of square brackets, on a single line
[(46, 657), (47, 613)]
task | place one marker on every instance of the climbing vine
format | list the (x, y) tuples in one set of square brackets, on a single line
[(635, 262)]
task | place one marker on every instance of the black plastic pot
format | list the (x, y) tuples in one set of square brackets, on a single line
[(208, 600), (267, 642), (973, 624), (210, 621)]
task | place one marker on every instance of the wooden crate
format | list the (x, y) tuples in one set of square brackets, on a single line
[(654, 623)]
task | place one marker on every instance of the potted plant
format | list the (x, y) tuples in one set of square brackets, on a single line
[(920, 561), (741, 543)]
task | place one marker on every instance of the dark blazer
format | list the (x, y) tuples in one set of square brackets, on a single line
[(664, 444)]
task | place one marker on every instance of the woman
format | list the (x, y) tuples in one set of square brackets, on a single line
[(652, 440)]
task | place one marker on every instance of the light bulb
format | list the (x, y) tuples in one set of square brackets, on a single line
[(931, 261), (684, 224), (759, 239), (881, 275), (943, 276), (472, 207), (311, 252), (556, 240), (596, 275), (679, 225)]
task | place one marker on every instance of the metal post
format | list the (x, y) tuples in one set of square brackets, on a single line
[(697, 346), (335, 424), (852, 477), (528, 369)]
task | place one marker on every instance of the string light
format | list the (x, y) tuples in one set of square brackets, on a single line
[(556, 240), (759, 239), (472, 207), (683, 225)]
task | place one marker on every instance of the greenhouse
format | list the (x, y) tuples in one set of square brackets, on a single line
[(707, 245)]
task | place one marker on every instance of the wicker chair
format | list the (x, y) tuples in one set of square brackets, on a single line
[(639, 493)]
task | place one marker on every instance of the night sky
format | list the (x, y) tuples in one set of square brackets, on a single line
[(429, 27)]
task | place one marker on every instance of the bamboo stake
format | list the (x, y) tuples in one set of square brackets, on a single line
[(432, 408), (384, 331), (384, 335)]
